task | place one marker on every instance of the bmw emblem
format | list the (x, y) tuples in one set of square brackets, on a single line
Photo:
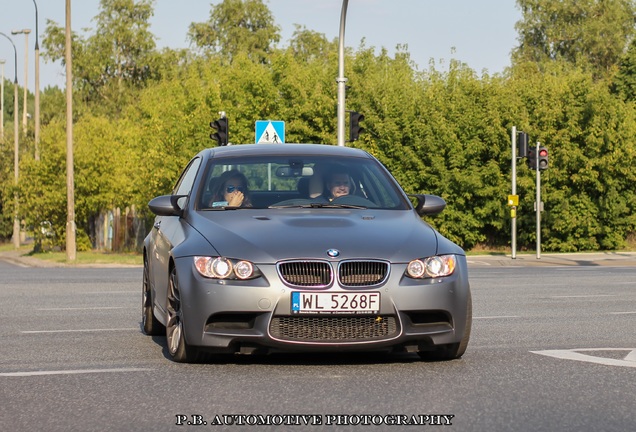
[(333, 253)]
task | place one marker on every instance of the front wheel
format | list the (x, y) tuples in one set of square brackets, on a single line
[(178, 348), (455, 350)]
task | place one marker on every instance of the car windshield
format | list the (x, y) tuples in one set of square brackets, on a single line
[(298, 181)]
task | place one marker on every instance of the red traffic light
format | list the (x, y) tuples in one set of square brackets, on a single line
[(543, 158)]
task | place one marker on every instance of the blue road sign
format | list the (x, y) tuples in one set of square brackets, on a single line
[(270, 132)]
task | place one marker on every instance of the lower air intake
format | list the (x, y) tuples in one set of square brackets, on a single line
[(333, 329)]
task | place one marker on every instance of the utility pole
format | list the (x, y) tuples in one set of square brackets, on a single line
[(70, 185)]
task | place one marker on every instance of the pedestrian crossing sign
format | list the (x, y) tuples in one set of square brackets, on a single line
[(270, 132)]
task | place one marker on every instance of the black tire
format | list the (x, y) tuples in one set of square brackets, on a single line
[(455, 350), (149, 323), (178, 348)]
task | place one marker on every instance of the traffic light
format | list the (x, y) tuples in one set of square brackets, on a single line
[(532, 158), (221, 135), (354, 125), (522, 144), (543, 158)]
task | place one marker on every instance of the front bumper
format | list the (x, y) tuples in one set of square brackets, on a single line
[(254, 316)]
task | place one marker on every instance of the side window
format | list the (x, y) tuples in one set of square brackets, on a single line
[(186, 181)]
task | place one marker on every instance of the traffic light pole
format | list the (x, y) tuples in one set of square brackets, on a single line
[(513, 211), (538, 203), (537, 159)]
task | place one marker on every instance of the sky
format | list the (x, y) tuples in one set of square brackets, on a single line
[(478, 33)]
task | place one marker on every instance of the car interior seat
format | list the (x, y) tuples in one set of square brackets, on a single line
[(316, 186), (206, 197), (303, 187)]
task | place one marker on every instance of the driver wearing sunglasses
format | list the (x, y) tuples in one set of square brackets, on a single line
[(231, 190)]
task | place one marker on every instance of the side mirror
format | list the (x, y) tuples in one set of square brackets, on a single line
[(429, 204), (167, 205)]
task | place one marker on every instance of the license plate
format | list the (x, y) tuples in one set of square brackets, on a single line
[(335, 303)]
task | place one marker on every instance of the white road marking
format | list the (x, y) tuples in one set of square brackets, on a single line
[(71, 372), (519, 316), (584, 296), (79, 308), (111, 292), (15, 263), (78, 331), (577, 354)]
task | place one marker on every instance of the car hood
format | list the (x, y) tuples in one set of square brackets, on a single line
[(265, 236)]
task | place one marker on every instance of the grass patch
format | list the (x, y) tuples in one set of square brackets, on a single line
[(7, 247), (22, 250), (88, 257), (91, 257)]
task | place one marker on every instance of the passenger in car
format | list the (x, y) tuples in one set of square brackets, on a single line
[(231, 190)]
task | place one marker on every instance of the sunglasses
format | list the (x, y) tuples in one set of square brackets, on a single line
[(231, 189)]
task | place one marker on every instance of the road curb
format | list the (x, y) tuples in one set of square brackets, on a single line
[(17, 258), (593, 259)]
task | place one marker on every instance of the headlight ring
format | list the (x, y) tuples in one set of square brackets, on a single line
[(224, 268), (432, 267)]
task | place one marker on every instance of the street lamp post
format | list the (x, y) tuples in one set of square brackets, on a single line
[(25, 32), (16, 220), (37, 85), (341, 78), (2, 62)]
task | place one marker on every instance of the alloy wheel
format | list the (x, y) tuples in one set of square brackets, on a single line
[(174, 327)]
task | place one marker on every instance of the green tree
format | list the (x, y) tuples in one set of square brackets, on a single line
[(307, 45), (52, 105), (589, 33), (7, 177), (116, 59), (237, 26), (587, 192), (441, 132), (305, 84), (43, 186), (168, 125), (624, 82), (9, 99)]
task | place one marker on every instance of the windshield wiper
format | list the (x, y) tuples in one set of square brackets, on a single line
[(320, 205), (218, 208), (332, 205)]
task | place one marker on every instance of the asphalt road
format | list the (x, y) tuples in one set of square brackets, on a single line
[(553, 348)]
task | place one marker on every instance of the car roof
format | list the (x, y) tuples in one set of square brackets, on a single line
[(285, 149)]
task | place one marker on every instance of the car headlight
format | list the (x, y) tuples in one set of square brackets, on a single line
[(432, 267), (225, 268), (244, 269)]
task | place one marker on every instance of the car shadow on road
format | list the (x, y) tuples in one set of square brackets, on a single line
[(301, 358)]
